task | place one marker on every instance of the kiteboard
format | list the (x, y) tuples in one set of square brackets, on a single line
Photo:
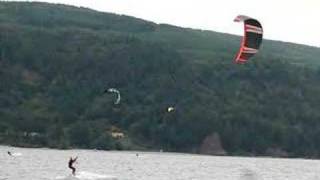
[(87, 176)]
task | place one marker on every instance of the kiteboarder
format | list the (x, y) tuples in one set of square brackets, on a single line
[(10, 154), (70, 165)]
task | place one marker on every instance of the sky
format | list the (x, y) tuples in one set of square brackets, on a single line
[(285, 20)]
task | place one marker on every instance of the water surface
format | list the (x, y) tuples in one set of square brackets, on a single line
[(48, 164)]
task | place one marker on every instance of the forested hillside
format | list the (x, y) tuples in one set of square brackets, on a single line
[(56, 61)]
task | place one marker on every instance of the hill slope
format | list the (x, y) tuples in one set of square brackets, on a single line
[(57, 60)]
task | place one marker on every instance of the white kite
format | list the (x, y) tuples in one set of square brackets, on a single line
[(113, 90)]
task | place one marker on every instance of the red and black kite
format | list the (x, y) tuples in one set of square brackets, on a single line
[(251, 40)]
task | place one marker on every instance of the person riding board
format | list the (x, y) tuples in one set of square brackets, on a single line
[(70, 165), (10, 154)]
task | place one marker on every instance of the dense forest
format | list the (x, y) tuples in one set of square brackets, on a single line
[(56, 61)]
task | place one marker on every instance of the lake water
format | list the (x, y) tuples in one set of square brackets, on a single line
[(49, 164)]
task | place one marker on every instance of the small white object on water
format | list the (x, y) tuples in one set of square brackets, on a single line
[(15, 154)]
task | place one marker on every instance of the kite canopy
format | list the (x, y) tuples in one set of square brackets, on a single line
[(113, 90), (251, 40), (170, 109)]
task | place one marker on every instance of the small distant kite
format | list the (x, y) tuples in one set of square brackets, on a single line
[(113, 90), (251, 40), (170, 109)]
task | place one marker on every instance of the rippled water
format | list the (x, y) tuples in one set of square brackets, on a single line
[(48, 164)]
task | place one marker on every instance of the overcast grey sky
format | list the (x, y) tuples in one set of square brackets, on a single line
[(286, 20)]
